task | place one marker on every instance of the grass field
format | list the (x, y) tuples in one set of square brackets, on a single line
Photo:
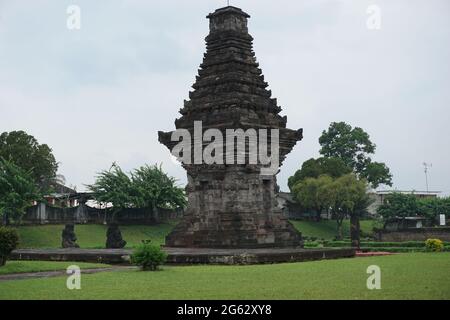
[(94, 236), (327, 229), (90, 236), (38, 266), (405, 276)]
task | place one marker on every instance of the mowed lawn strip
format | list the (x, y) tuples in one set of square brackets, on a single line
[(94, 236), (327, 229), (40, 266), (91, 236), (404, 276)]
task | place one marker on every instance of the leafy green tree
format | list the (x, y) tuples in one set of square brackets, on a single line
[(153, 188), (17, 191), (315, 193), (25, 152), (432, 208), (353, 147), (398, 205), (351, 200), (345, 196), (113, 187), (313, 168), (377, 173), (146, 187)]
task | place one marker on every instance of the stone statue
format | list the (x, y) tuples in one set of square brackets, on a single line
[(69, 238), (114, 238)]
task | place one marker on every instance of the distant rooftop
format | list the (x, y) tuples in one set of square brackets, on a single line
[(431, 193)]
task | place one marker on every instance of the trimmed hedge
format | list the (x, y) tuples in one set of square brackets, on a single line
[(407, 244), (369, 246), (399, 249), (392, 249)]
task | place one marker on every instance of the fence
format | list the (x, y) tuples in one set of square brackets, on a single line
[(46, 214)]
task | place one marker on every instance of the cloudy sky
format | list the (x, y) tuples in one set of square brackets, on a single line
[(100, 94)]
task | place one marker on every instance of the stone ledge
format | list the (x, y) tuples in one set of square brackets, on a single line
[(253, 256), (182, 256)]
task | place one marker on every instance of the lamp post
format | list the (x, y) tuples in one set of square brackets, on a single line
[(427, 166)]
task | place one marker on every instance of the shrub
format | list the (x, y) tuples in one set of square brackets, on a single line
[(149, 257), (312, 244), (9, 239), (434, 245)]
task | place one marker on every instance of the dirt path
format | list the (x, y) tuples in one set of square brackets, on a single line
[(49, 274)]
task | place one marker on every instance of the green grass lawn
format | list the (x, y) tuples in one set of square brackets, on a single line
[(405, 276), (90, 236), (94, 236), (38, 266), (327, 229)]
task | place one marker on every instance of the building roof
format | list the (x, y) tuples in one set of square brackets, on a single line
[(286, 196), (415, 192), (61, 190)]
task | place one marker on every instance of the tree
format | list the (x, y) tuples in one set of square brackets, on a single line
[(25, 152), (351, 199), (153, 188), (398, 205), (377, 173), (17, 191), (432, 208), (345, 196), (353, 147), (114, 187), (315, 193), (313, 168), (148, 187)]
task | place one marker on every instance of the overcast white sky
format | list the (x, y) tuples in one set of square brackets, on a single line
[(102, 93)]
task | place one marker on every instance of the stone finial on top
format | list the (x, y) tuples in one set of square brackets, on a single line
[(228, 19)]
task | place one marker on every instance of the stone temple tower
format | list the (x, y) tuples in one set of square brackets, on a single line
[(232, 205)]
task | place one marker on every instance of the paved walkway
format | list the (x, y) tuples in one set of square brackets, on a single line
[(50, 274)]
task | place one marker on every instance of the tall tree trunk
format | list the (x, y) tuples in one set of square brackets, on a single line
[(5, 219), (155, 213), (339, 229), (318, 213), (113, 216), (355, 231)]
